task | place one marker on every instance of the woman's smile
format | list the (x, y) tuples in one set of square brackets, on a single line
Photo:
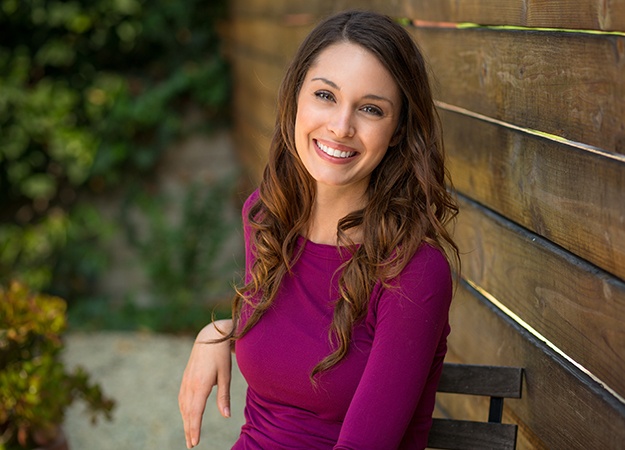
[(334, 152)]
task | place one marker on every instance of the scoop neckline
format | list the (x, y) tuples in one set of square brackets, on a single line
[(327, 251)]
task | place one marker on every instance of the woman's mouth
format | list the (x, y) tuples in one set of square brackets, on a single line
[(334, 152)]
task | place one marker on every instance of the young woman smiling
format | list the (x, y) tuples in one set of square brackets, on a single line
[(340, 327)]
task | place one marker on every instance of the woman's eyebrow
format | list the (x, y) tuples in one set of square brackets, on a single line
[(335, 86), (326, 81), (377, 97)]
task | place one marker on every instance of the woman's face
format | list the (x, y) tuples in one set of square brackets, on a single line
[(347, 113)]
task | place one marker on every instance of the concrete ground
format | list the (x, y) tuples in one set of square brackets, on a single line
[(142, 372)]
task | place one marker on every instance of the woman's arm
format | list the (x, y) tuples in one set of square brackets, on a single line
[(209, 365), (399, 382)]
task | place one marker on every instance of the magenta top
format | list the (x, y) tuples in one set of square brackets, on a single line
[(381, 396)]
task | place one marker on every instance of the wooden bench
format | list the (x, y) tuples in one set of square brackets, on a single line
[(493, 381)]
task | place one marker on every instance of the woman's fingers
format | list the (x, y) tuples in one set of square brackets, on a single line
[(195, 420), (192, 401), (223, 390)]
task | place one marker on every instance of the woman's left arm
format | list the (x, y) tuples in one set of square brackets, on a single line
[(404, 365)]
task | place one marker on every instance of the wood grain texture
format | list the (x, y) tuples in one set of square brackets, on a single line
[(252, 147), (570, 14), (467, 407), (273, 39), (278, 8), (560, 407), (256, 94), (600, 15), (256, 78), (493, 381), (564, 84), (571, 196), (393, 8), (312, 11), (572, 304), (253, 111), (468, 435)]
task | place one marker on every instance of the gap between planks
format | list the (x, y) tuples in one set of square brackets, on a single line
[(476, 26), (541, 134)]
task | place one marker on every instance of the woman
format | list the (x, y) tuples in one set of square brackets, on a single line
[(340, 329)]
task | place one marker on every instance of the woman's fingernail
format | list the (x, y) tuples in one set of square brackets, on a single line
[(227, 411)]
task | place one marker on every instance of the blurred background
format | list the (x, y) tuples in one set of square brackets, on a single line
[(120, 195), (114, 168)]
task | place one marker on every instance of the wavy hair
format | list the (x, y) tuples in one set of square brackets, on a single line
[(408, 198)]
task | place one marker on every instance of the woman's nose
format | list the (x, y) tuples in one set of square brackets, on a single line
[(341, 123)]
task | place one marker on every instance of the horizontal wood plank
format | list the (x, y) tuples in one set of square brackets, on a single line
[(254, 106), (256, 93), (597, 15), (567, 14), (571, 196), (392, 8), (312, 11), (560, 406), (255, 115), (278, 8), (563, 84), (271, 38), (468, 435), (468, 407), (252, 147), (572, 304), (492, 381)]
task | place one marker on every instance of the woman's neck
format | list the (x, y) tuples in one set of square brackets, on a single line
[(331, 205)]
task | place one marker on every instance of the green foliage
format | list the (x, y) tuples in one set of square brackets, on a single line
[(186, 252), (62, 250), (35, 387), (29, 249), (91, 91), (183, 257)]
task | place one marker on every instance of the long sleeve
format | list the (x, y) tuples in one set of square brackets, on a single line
[(394, 399)]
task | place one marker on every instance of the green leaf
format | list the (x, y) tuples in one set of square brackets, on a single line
[(39, 186), (56, 52)]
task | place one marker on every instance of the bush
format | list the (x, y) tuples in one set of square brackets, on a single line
[(185, 251), (91, 91), (35, 387)]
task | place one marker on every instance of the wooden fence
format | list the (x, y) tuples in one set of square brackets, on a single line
[(532, 98)]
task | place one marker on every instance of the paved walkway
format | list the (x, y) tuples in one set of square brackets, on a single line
[(142, 372)]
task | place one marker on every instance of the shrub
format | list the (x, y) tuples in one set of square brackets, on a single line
[(35, 387)]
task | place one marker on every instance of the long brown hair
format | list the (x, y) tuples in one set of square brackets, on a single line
[(408, 198)]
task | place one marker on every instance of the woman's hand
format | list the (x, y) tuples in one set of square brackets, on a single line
[(209, 365)]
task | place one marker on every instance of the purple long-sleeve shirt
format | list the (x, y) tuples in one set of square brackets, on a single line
[(381, 396)]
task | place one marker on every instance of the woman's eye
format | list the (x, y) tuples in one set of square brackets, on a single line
[(324, 95), (372, 110)]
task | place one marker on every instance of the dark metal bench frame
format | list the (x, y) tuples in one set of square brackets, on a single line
[(492, 381)]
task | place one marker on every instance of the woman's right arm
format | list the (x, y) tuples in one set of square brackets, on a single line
[(209, 365)]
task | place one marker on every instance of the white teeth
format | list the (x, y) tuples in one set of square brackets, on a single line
[(333, 152)]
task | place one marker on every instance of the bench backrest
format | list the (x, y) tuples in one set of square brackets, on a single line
[(492, 381)]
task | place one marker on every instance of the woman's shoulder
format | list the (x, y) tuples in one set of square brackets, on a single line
[(429, 256), (428, 268), (249, 202), (424, 285)]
